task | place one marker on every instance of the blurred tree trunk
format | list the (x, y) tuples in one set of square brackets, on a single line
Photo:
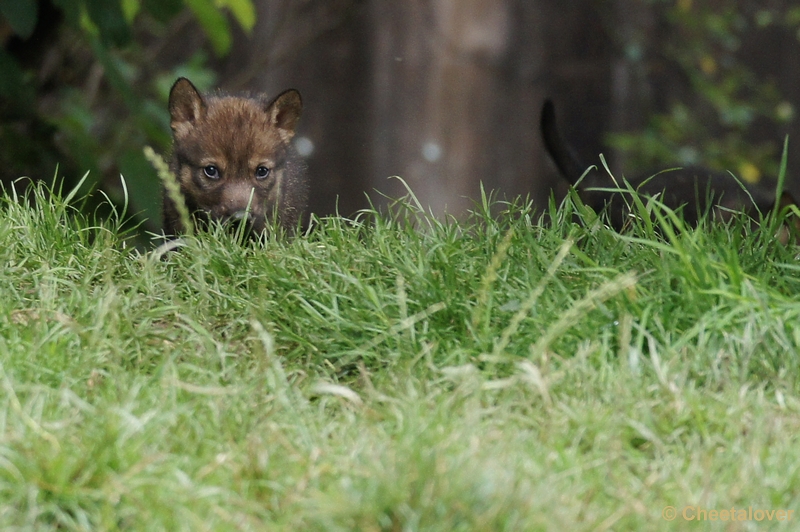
[(451, 106)]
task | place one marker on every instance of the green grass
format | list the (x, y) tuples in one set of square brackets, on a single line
[(396, 373)]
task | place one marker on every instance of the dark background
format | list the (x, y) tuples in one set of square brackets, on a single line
[(443, 93)]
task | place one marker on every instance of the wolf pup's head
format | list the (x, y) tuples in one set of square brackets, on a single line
[(233, 158)]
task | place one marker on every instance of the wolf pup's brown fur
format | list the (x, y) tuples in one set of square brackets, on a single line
[(696, 191), (233, 158)]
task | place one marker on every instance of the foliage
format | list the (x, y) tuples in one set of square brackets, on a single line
[(100, 125), (711, 119), (394, 373)]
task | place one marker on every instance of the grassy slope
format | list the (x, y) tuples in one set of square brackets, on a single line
[(376, 376)]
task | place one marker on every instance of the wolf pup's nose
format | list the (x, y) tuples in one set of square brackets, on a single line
[(241, 221)]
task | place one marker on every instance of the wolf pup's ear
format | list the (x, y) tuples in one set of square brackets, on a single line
[(284, 112), (186, 105)]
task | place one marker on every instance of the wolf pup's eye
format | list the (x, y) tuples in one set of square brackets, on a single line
[(211, 171), (262, 172)]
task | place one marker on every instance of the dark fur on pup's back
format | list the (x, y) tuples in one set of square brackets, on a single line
[(696, 191), (233, 158)]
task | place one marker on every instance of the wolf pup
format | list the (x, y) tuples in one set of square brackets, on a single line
[(696, 191), (233, 159)]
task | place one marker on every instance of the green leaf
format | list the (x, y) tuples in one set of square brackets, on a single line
[(107, 15), (214, 23), (162, 10), (131, 8), (21, 15), (243, 11)]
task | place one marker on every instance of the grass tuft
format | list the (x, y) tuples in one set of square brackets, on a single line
[(396, 372)]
